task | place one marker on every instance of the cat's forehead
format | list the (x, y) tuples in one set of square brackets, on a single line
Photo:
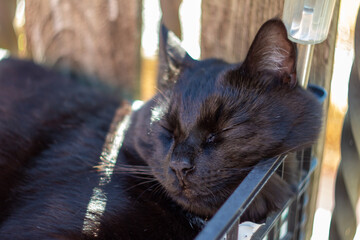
[(195, 84), (200, 93), (201, 80)]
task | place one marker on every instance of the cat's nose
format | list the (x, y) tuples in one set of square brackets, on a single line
[(181, 168)]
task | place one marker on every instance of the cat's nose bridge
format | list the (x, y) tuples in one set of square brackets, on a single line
[(182, 161)]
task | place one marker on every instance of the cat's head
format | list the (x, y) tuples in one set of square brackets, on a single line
[(213, 121)]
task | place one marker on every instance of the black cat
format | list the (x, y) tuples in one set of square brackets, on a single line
[(66, 172)]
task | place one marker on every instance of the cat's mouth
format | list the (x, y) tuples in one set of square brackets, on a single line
[(195, 204), (203, 204), (186, 193), (195, 195)]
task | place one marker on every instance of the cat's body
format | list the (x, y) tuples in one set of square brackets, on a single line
[(181, 156), (56, 145)]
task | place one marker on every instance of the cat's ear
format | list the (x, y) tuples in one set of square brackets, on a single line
[(272, 53), (172, 57)]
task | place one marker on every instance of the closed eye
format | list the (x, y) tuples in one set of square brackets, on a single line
[(166, 128), (234, 126), (211, 138)]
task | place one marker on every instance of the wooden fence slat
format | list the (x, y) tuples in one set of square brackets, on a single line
[(229, 27), (8, 38), (170, 15), (321, 74), (97, 38)]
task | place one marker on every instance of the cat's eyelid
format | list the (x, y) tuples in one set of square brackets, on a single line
[(233, 126), (211, 138), (226, 129), (167, 128)]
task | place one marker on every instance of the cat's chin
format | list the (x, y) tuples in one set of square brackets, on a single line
[(204, 206)]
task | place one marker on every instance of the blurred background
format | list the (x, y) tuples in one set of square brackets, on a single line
[(120, 38), (343, 60)]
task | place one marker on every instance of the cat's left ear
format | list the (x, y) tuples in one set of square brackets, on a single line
[(172, 57), (272, 53)]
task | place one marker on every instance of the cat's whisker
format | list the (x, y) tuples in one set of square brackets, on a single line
[(209, 190), (135, 175), (143, 177), (165, 96), (129, 169), (139, 184), (300, 146), (140, 171), (144, 167), (135, 172), (147, 189), (158, 189)]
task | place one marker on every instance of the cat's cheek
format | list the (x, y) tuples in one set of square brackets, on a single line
[(166, 139), (164, 174)]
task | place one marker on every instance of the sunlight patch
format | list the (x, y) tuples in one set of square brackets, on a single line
[(110, 152), (137, 105), (4, 53), (157, 113)]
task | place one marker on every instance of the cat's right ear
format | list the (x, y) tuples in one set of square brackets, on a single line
[(272, 54), (172, 58)]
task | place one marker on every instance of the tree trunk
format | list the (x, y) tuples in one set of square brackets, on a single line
[(96, 38)]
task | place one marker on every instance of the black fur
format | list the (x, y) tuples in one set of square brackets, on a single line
[(183, 154)]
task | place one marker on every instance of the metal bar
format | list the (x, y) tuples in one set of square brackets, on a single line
[(272, 220), (243, 195), (305, 54)]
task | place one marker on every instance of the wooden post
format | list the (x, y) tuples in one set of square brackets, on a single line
[(229, 27), (96, 38), (321, 74), (8, 39), (170, 15), (170, 18)]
